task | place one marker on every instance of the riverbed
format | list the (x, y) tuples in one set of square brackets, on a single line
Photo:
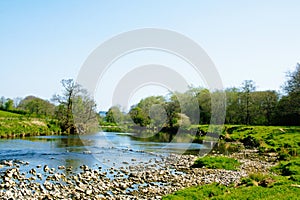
[(107, 166), (103, 149)]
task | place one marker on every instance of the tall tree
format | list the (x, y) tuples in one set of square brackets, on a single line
[(264, 106), (9, 104), (233, 111), (289, 105), (76, 110), (114, 115), (2, 102), (248, 86), (293, 82)]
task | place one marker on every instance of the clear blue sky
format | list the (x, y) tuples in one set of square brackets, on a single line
[(42, 42)]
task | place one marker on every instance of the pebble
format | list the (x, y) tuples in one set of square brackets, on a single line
[(143, 180)]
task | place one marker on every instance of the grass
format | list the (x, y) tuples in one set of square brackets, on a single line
[(288, 168), (8, 114), (267, 138), (17, 125), (280, 189), (280, 139), (217, 162)]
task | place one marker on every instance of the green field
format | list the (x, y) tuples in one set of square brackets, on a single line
[(17, 125), (8, 114)]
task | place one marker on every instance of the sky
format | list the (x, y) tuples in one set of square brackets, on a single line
[(43, 42)]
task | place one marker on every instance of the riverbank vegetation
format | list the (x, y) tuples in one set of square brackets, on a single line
[(281, 188), (17, 125), (72, 112), (217, 162), (242, 105)]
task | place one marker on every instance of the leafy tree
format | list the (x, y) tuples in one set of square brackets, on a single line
[(9, 104), (37, 106), (158, 116), (172, 108), (204, 100), (293, 83), (264, 105), (183, 120), (17, 101), (114, 115), (248, 87), (76, 110), (139, 117), (2, 102), (233, 111), (189, 104), (288, 110), (140, 113)]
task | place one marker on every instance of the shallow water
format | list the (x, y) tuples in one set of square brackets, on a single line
[(103, 149)]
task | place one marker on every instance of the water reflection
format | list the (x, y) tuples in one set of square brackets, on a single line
[(101, 149)]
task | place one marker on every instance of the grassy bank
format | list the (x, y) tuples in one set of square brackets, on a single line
[(280, 189), (16, 125), (285, 184)]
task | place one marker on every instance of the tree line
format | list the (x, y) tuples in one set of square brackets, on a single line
[(75, 111), (244, 105)]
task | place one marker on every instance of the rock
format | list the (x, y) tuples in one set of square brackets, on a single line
[(88, 192), (46, 168), (87, 152), (61, 167)]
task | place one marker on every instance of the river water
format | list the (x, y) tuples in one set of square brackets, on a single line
[(103, 149)]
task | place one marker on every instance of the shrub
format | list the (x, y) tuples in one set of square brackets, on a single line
[(217, 162), (250, 141), (287, 168)]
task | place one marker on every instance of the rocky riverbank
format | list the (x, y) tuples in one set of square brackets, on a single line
[(150, 180)]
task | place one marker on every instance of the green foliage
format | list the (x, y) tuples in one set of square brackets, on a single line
[(76, 110), (9, 104), (114, 115), (7, 114), (292, 85), (287, 168), (282, 189), (21, 126), (217, 162), (250, 141), (284, 140), (36, 106)]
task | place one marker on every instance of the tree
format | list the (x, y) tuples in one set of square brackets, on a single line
[(264, 106), (76, 110), (2, 102), (288, 110), (114, 115), (17, 101), (293, 83), (139, 117), (140, 113), (9, 104), (37, 106), (204, 100), (158, 116), (248, 86), (233, 111)]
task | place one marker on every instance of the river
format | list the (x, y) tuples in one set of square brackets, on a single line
[(103, 149)]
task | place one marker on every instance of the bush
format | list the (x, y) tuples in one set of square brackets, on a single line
[(288, 168), (217, 162), (250, 141)]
